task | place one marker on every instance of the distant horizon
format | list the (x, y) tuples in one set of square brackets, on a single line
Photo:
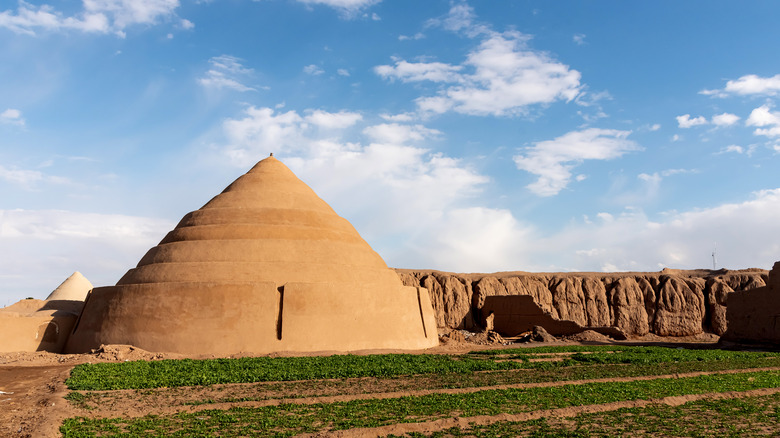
[(458, 135)]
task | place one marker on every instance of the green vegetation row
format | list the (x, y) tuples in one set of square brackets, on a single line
[(657, 354), (188, 372), (334, 387), (290, 419), (737, 418)]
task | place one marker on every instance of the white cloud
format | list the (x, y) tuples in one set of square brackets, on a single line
[(748, 85), (417, 36), (313, 69), (725, 119), (128, 12), (719, 120), (460, 18), (28, 179), (260, 133), (736, 149), (394, 133), (12, 117), (606, 217), (403, 117), (348, 8), (226, 72), (339, 120), (438, 104), (343, 72), (480, 239), (473, 239), (632, 241), (506, 78), (685, 121), (670, 172), (419, 71), (653, 179), (43, 247), (53, 224), (99, 16), (503, 76), (579, 39), (553, 160), (652, 183), (21, 177), (762, 116), (592, 108)]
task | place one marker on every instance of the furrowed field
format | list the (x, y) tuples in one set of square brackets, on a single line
[(546, 391)]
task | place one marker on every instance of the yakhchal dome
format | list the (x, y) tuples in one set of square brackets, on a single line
[(265, 266)]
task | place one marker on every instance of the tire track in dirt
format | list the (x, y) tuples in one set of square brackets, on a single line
[(465, 422), (133, 409), (34, 405)]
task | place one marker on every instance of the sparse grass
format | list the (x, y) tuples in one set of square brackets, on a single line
[(287, 419), (81, 400)]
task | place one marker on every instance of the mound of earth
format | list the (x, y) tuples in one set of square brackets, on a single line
[(589, 336)]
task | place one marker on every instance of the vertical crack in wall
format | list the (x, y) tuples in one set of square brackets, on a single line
[(281, 312), (422, 314)]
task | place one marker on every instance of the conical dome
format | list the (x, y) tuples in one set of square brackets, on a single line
[(74, 288), (264, 266), (266, 226)]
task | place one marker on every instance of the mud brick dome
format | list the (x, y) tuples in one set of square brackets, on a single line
[(265, 266)]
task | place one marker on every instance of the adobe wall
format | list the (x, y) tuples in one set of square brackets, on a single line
[(37, 325), (666, 303), (223, 319), (754, 316)]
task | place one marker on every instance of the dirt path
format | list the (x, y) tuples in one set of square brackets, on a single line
[(465, 422), (31, 402), (131, 403)]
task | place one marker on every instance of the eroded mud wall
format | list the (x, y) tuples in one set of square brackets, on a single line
[(666, 303)]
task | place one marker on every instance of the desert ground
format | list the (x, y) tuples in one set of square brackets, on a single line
[(36, 401)]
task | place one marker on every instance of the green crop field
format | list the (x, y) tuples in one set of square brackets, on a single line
[(638, 388)]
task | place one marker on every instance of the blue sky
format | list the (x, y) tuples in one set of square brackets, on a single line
[(461, 136)]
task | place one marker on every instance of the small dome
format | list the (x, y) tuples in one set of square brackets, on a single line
[(74, 288)]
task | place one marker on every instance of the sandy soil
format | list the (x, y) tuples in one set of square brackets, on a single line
[(31, 400)]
